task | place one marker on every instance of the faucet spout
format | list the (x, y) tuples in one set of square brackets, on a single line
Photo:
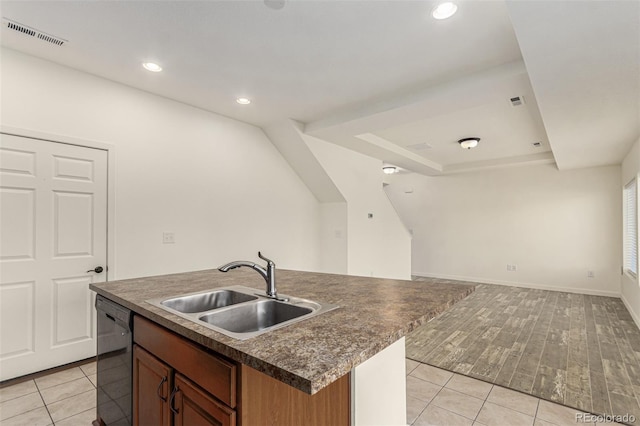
[(238, 263), (270, 278), (268, 274)]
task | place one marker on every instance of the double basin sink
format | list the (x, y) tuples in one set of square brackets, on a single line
[(241, 312)]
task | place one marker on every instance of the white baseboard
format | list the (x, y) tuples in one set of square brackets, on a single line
[(634, 315), (524, 285)]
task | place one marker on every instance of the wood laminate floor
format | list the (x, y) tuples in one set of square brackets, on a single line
[(577, 350)]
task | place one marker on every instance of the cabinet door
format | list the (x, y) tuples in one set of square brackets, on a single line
[(194, 407), (152, 381)]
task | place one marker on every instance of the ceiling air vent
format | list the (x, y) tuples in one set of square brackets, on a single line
[(32, 32), (419, 146), (50, 39), (537, 144), (516, 101), (17, 27)]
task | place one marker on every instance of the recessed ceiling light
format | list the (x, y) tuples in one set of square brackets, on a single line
[(389, 170), (243, 101), (150, 66), (444, 10)]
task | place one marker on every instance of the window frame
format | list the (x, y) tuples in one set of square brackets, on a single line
[(630, 202)]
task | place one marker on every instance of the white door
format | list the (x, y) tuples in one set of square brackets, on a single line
[(53, 230)]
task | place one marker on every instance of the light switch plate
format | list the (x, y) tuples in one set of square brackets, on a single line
[(168, 238)]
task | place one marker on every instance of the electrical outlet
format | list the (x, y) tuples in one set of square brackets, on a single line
[(168, 238), (512, 268), (590, 274)]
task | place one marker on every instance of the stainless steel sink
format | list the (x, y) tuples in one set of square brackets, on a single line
[(255, 316), (241, 312), (201, 302)]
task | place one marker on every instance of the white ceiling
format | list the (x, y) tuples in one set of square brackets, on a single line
[(583, 58), (376, 76)]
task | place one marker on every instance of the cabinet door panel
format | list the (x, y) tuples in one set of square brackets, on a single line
[(212, 373), (196, 408), (152, 381)]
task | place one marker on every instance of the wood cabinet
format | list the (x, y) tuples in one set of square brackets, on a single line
[(269, 402), (203, 388), (152, 383), (194, 407), (161, 394), (176, 382)]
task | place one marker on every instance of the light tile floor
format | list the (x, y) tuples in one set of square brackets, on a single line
[(442, 398), (434, 397), (64, 398)]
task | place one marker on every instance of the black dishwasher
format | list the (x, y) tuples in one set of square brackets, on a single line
[(114, 363)]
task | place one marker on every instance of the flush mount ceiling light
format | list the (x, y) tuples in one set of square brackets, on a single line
[(153, 67), (389, 170), (243, 101), (444, 10), (468, 143)]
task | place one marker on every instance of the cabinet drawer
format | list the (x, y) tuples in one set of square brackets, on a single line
[(213, 373)]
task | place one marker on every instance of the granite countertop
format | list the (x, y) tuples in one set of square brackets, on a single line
[(310, 354)]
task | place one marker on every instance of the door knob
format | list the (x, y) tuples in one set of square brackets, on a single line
[(97, 269)]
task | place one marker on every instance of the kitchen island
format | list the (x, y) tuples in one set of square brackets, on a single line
[(361, 339)]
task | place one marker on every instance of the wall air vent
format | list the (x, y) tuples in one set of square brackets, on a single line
[(516, 101), (32, 32)]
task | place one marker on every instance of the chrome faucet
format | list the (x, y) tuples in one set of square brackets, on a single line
[(269, 274)]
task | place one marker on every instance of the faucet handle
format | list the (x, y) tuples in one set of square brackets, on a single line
[(269, 261)]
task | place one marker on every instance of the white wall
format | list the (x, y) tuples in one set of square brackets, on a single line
[(630, 287), (288, 138), (380, 246), (333, 238), (219, 184), (555, 226)]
